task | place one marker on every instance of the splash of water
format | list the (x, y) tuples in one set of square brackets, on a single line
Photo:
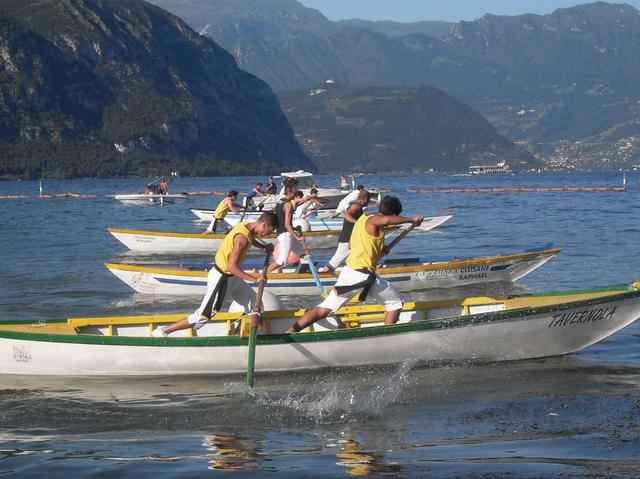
[(330, 400)]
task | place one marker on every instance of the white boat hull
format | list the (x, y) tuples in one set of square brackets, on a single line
[(165, 242), (207, 215), (153, 198), (189, 282), (492, 336)]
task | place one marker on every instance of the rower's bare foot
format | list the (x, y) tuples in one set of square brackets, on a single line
[(291, 330)]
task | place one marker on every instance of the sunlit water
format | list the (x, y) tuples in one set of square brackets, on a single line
[(575, 416)]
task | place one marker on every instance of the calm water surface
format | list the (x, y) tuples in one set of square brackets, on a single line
[(575, 416)]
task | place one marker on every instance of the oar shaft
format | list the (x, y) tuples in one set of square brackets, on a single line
[(255, 320), (398, 238)]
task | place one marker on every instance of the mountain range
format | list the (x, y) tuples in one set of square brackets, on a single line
[(563, 83), (106, 87), (345, 128)]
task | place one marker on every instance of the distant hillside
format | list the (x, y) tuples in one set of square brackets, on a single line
[(346, 128), (390, 28), (557, 82), (105, 87)]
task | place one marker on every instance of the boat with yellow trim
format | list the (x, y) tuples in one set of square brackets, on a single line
[(169, 242), (478, 329), (190, 279)]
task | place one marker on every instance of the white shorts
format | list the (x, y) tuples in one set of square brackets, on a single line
[(220, 225), (237, 289), (286, 244), (381, 291), (341, 254)]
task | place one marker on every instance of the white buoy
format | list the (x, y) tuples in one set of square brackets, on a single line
[(41, 188)]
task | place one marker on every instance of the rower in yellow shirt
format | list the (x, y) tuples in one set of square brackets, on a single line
[(359, 274), (226, 275), (226, 205)]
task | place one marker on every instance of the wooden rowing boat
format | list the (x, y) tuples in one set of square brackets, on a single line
[(207, 215), (142, 198), (404, 273), (168, 242), (474, 329)]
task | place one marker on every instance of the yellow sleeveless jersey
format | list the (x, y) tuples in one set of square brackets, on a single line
[(366, 250), (222, 210), (224, 251)]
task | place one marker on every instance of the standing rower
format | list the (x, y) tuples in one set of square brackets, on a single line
[(352, 214), (288, 237), (367, 247), (226, 275), (226, 205)]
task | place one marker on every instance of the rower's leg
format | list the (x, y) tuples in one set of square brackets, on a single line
[(386, 295), (310, 317)]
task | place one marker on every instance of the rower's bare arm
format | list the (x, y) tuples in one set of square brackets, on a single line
[(391, 220), (353, 209), (240, 243)]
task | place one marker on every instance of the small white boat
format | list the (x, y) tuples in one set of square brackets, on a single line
[(169, 242), (142, 198), (404, 273), (478, 329), (207, 215)]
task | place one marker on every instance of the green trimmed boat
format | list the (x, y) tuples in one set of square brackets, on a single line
[(474, 329)]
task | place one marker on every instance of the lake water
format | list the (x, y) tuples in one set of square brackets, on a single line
[(573, 416)]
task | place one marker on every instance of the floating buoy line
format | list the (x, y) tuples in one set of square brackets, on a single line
[(516, 189)]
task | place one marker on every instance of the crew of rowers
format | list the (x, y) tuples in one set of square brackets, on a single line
[(361, 246)]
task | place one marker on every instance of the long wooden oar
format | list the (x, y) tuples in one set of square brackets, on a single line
[(397, 239), (312, 267), (256, 317)]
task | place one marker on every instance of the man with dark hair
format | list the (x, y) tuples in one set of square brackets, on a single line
[(226, 205), (288, 237), (227, 275), (347, 200), (352, 214), (367, 247), (248, 201)]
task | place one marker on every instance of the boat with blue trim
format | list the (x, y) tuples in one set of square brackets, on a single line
[(180, 243), (478, 329), (405, 273)]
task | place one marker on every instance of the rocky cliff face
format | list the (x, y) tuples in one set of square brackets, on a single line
[(103, 84)]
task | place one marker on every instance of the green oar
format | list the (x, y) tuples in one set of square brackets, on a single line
[(256, 317)]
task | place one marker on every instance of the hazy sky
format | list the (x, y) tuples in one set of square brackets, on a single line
[(449, 10)]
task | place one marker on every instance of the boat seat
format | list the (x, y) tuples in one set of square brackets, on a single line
[(42, 328)]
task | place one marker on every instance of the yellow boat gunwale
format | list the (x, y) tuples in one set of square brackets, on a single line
[(392, 270)]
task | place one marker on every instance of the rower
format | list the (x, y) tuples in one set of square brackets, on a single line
[(226, 205), (255, 191), (272, 189), (163, 187), (352, 214), (307, 205), (346, 201), (288, 237), (226, 275), (367, 247)]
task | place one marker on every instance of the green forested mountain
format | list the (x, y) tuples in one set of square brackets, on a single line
[(108, 87), (564, 81), (345, 128)]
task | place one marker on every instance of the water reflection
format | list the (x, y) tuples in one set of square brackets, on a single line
[(234, 453), (358, 462)]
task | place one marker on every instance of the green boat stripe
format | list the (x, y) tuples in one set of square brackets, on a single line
[(341, 334)]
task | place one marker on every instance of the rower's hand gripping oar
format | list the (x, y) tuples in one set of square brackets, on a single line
[(256, 317), (312, 267)]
